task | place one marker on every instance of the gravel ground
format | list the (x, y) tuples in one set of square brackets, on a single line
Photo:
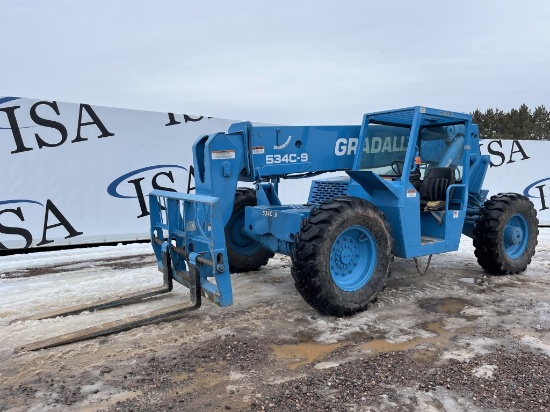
[(452, 340), (509, 378)]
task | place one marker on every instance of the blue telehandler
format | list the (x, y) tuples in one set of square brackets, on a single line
[(410, 185)]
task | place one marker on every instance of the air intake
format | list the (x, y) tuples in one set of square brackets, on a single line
[(328, 189)]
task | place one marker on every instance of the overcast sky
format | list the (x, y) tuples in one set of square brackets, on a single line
[(295, 62)]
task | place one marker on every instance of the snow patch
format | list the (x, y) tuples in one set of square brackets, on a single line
[(327, 365), (536, 343)]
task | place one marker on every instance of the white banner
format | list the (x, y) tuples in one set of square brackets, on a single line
[(78, 174), (519, 166)]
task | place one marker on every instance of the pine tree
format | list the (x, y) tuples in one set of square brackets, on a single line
[(520, 123), (541, 123)]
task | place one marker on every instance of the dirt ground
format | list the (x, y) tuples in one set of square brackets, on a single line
[(450, 340)]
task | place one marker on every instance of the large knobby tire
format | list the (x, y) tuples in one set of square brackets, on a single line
[(342, 256), (244, 253), (505, 234)]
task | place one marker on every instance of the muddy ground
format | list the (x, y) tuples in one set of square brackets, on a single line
[(450, 340)]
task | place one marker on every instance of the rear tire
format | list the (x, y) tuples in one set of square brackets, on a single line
[(244, 253), (342, 256), (505, 234)]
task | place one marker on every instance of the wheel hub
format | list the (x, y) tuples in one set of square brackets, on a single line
[(345, 252), (237, 237), (352, 258), (515, 236), (346, 256)]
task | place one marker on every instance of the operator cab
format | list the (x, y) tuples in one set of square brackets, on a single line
[(420, 155), (438, 155)]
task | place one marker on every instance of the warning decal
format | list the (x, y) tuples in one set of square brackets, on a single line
[(223, 154)]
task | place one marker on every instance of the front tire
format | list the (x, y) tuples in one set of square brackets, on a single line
[(342, 256), (244, 253), (505, 234)]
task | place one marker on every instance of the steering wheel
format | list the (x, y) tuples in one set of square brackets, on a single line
[(397, 167)]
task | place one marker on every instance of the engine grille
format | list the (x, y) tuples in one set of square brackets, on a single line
[(325, 190)]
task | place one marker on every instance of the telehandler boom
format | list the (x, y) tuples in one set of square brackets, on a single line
[(412, 186)]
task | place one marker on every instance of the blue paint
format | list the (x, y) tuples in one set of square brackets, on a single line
[(384, 158), (192, 223), (353, 258), (237, 237), (516, 236)]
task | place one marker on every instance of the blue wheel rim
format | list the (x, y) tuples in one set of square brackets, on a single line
[(353, 258), (237, 238), (516, 236)]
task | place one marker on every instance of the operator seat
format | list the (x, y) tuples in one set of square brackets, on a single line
[(433, 191)]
